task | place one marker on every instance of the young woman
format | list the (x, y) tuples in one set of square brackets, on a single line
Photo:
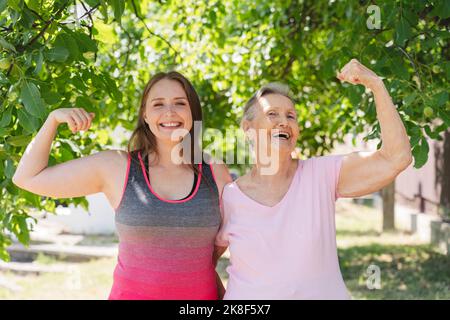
[(280, 227), (166, 213)]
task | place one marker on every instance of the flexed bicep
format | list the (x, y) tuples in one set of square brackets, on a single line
[(74, 178), (364, 173)]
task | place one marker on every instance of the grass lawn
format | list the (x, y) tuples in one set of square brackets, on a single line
[(408, 268)]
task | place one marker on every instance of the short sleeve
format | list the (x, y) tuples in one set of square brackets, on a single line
[(331, 167), (221, 239)]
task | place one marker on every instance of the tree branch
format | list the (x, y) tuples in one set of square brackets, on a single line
[(153, 33), (46, 25)]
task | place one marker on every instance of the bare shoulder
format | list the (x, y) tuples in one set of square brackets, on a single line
[(220, 172), (117, 156), (114, 169)]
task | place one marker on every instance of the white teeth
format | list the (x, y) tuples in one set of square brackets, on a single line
[(282, 135), (171, 124)]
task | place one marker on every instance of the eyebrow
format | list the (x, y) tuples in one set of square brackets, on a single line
[(176, 98), (277, 108)]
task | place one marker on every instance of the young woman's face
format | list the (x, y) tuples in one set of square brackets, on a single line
[(167, 109), (276, 116)]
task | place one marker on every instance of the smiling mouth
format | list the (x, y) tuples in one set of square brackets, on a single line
[(282, 135), (171, 125)]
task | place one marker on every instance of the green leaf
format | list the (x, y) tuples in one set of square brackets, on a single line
[(85, 44), (31, 197), (6, 45), (39, 59), (118, 8), (6, 118), (9, 169), (28, 18), (409, 99), (402, 31), (66, 154), (21, 228), (31, 99), (399, 68), (19, 141), (92, 3), (51, 97), (84, 102), (445, 116), (71, 145), (440, 98), (67, 41), (34, 4), (3, 4), (441, 9), (431, 134), (17, 5), (27, 121), (420, 153), (57, 54), (104, 10), (415, 135)]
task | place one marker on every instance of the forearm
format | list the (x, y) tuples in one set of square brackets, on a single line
[(36, 155), (395, 141)]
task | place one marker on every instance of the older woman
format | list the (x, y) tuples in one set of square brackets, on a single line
[(280, 226)]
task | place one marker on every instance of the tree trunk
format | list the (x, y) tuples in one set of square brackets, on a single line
[(388, 195), (445, 179)]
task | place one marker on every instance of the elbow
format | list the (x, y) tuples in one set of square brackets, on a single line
[(403, 161), (18, 182), (15, 180)]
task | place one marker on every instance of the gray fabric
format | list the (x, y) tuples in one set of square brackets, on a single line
[(140, 207)]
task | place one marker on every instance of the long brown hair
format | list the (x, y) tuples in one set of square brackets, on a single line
[(143, 138)]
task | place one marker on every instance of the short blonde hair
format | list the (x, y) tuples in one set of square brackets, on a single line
[(273, 87)]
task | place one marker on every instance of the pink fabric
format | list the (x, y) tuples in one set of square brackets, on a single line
[(287, 251)]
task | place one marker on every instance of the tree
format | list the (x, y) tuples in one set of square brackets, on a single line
[(98, 54)]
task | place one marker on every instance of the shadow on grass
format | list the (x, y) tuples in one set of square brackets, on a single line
[(357, 233), (406, 272)]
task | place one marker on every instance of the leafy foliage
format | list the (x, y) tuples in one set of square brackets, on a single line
[(98, 54)]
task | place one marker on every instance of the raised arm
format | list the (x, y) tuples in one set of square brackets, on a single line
[(74, 178), (366, 172)]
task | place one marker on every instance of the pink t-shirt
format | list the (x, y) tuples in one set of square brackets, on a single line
[(287, 251)]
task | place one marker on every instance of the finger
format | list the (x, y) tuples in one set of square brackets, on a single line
[(86, 119), (77, 118), (72, 124), (354, 79), (345, 75), (346, 67), (91, 118)]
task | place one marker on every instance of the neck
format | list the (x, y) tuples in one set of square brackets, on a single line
[(285, 166), (164, 158)]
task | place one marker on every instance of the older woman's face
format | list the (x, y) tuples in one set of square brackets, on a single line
[(276, 116)]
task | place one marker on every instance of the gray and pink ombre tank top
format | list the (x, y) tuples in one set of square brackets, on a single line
[(165, 246)]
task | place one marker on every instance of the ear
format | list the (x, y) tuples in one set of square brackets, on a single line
[(245, 125)]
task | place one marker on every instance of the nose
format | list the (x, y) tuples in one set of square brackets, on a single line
[(170, 108), (283, 122)]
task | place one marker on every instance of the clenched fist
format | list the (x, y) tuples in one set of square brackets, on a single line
[(355, 72), (76, 118)]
